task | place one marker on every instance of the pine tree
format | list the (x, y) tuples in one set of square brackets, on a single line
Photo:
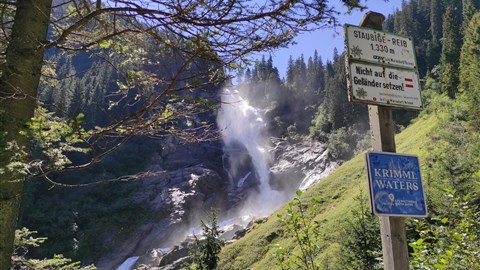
[(290, 71), (320, 77), (330, 72), (208, 249), (401, 21), (337, 97), (450, 52), (413, 21), (470, 70), (300, 75), (389, 24), (434, 47), (421, 35), (248, 75), (468, 10), (240, 30)]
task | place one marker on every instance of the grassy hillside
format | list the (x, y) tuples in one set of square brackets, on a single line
[(336, 193)]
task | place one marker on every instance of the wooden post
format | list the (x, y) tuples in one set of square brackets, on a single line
[(392, 229)]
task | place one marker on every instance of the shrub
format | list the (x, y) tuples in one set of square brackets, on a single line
[(449, 243), (360, 239), (299, 223)]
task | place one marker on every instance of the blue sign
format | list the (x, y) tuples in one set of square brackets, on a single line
[(395, 185)]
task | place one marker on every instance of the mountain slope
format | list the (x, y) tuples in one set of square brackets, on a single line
[(336, 194)]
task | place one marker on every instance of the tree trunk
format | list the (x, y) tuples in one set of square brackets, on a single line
[(18, 91)]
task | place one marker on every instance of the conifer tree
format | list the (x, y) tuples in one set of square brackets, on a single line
[(248, 75), (389, 24), (450, 52), (470, 70), (468, 10), (434, 47), (206, 257), (290, 71), (400, 21), (330, 72), (320, 76)]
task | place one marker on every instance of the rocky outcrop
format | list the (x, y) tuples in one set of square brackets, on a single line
[(178, 256), (299, 165)]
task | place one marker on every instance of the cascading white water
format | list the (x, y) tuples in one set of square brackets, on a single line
[(241, 123), (128, 263)]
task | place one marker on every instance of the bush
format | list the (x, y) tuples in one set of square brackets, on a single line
[(360, 242), (305, 230), (337, 143), (449, 243)]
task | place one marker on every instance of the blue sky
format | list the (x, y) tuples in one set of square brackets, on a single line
[(325, 40)]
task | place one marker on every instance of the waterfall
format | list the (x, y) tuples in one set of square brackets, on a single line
[(128, 263), (240, 123)]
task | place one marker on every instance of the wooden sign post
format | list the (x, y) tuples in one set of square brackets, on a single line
[(392, 229), (382, 72), (394, 242)]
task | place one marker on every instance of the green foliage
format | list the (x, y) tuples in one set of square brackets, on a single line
[(312, 100), (57, 137), (451, 41), (320, 125), (54, 139), (470, 71), (206, 252), (337, 143), (450, 239), (432, 98), (448, 151), (420, 20), (299, 222), (312, 86), (468, 11), (24, 240), (449, 242), (453, 154), (345, 142), (433, 50), (360, 239)]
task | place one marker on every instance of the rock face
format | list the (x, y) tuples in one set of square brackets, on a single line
[(191, 179), (299, 165)]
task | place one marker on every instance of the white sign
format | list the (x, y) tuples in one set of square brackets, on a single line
[(365, 44), (386, 86)]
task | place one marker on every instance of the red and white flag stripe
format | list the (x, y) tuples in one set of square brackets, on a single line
[(409, 80)]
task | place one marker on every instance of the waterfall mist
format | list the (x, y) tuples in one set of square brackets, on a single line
[(242, 127)]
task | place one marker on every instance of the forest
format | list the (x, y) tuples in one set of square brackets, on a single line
[(115, 80)]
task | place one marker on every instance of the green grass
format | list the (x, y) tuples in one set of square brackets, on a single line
[(337, 193)]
